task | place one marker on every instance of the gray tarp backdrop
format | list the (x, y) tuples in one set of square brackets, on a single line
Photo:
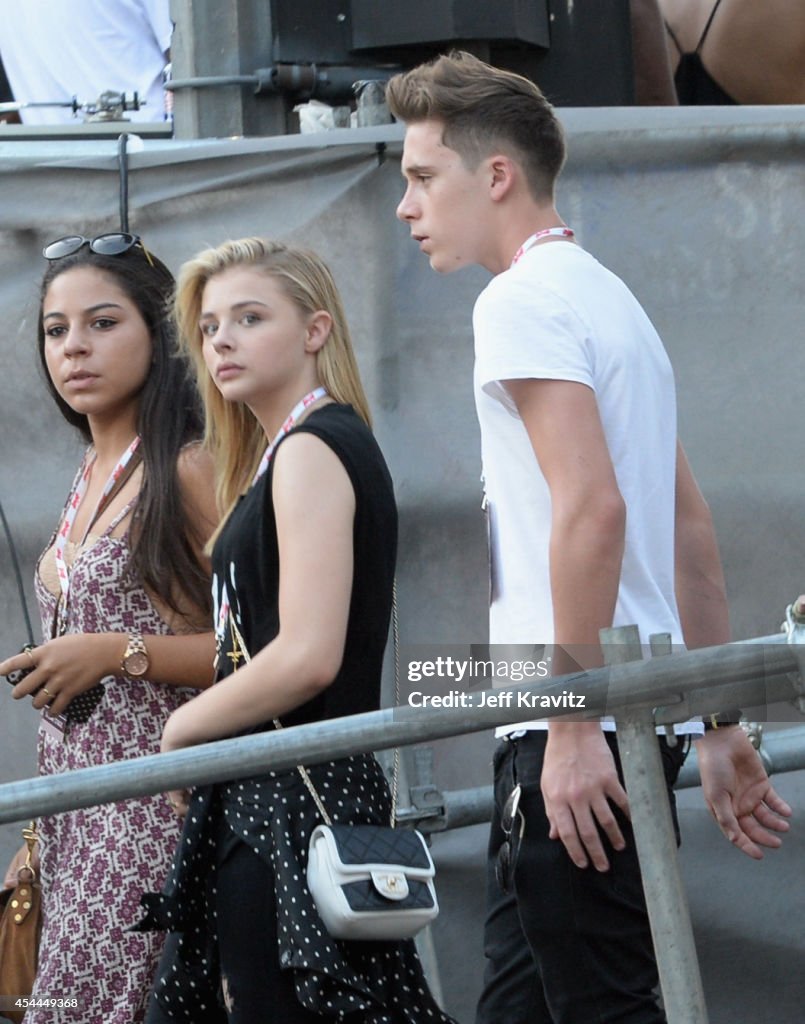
[(701, 212)]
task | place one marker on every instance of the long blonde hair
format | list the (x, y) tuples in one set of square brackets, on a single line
[(232, 433)]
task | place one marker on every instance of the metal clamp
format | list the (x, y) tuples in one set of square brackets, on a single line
[(111, 106), (426, 800)]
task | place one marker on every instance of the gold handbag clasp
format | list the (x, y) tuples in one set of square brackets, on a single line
[(391, 884), (31, 837)]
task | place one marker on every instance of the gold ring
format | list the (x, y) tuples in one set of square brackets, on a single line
[(28, 650), (49, 694)]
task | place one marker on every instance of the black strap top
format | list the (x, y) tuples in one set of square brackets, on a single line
[(246, 561), (694, 83)]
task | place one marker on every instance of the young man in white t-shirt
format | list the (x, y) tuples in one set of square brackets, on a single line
[(596, 520)]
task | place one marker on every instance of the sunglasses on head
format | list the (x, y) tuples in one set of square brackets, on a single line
[(507, 854), (114, 243)]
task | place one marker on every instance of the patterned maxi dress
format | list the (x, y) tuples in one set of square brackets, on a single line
[(97, 861)]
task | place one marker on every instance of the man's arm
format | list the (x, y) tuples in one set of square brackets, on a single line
[(586, 549), (735, 785), (701, 593)]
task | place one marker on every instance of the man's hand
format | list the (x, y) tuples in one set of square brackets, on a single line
[(737, 790), (579, 779)]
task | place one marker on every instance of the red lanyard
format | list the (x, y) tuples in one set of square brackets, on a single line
[(74, 504), (289, 424), (562, 232)]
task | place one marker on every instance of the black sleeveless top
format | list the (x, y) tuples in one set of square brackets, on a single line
[(694, 83), (246, 568), (273, 813)]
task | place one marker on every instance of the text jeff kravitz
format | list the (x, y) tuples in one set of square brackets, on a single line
[(496, 699)]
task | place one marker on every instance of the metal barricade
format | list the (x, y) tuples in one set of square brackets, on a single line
[(640, 695)]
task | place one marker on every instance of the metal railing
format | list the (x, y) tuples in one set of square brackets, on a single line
[(677, 686), (640, 694), (433, 810)]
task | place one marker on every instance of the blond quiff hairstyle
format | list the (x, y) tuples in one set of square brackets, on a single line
[(232, 433), (484, 109)]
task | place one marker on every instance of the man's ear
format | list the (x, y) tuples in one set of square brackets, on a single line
[(318, 330), (502, 175)]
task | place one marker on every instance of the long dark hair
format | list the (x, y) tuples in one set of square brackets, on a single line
[(169, 417)]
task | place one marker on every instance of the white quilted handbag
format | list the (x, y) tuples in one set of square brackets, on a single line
[(368, 881), (371, 881)]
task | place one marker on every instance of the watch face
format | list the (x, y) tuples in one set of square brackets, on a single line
[(136, 664)]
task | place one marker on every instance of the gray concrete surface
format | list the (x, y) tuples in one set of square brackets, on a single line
[(699, 210)]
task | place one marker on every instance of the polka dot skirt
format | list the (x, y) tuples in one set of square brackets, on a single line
[(377, 982)]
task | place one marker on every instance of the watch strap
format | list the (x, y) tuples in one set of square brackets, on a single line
[(135, 645), (722, 718)]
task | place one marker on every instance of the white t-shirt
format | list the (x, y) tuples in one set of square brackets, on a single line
[(559, 315), (58, 49)]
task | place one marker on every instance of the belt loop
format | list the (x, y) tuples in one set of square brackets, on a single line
[(513, 761)]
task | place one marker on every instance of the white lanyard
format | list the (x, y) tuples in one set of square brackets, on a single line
[(75, 503), (562, 232), (289, 424)]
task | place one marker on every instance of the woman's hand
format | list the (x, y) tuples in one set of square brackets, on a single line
[(179, 799), (65, 667)]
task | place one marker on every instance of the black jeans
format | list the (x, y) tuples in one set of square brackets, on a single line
[(244, 912), (570, 945), (255, 988)]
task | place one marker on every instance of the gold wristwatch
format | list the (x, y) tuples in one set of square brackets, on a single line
[(135, 661)]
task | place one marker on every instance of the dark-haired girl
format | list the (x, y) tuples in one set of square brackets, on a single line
[(123, 593)]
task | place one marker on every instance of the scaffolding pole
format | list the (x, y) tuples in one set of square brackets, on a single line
[(712, 679), (655, 840), (782, 751)]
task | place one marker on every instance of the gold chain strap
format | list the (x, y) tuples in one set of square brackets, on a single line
[(278, 724), (244, 650), (395, 635)]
